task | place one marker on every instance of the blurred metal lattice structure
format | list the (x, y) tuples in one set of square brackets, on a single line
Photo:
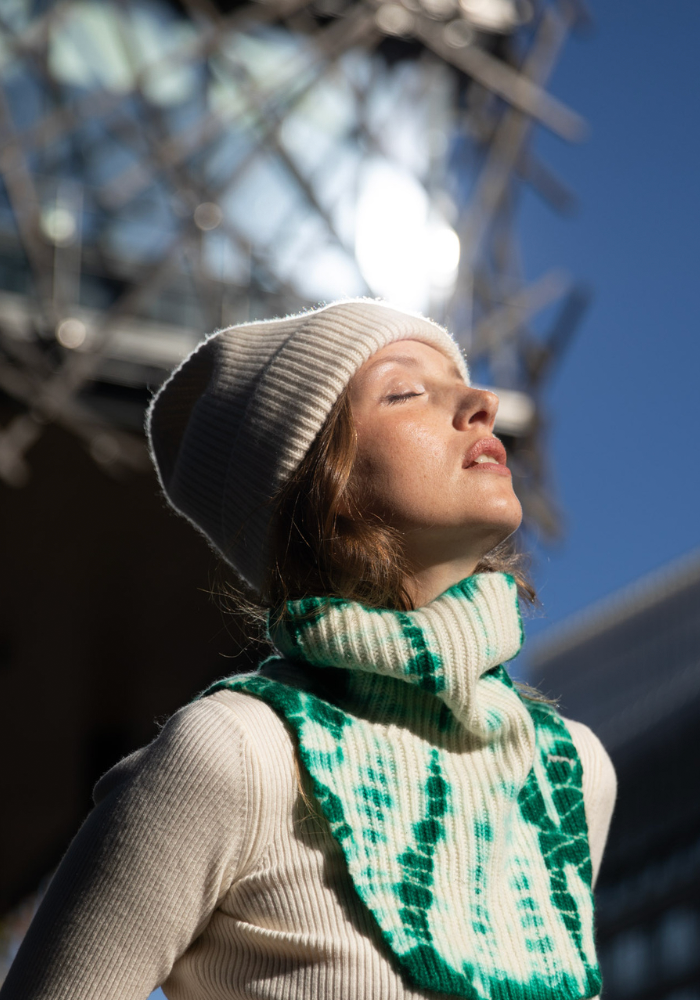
[(171, 168)]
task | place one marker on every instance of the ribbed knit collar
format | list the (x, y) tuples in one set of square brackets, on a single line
[(443, 647)]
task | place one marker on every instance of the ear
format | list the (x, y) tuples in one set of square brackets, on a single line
[(346, 507)]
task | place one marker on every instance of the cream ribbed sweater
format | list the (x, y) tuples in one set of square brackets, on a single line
[(201, 868)]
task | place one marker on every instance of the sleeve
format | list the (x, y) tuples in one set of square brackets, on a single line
[(599, 788), (171, 830)]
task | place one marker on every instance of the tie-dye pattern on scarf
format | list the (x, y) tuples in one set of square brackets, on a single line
[(458, 805)]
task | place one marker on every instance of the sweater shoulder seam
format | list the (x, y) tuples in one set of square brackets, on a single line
[(256, 847)]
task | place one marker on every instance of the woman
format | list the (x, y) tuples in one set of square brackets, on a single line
[(377, 812)]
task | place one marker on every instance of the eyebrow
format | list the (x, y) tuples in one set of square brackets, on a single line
[(399, 359), (410, 362)]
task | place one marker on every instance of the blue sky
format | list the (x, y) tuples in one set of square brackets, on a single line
[(625, 403)]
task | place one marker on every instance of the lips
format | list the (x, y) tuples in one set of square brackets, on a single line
[(489, 447)]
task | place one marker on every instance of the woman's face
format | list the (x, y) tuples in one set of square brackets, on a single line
[(428, 462)]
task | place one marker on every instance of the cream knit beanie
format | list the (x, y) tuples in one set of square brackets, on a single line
[(236, 418)]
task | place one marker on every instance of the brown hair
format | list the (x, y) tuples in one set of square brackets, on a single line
[(319, 548)]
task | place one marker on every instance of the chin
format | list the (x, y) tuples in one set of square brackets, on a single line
[(499, 522), (502, 512)]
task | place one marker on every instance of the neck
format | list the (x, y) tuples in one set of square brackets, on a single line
[(437, 559), (426, 583)]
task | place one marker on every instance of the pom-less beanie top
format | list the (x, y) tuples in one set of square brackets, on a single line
[(233, 422)]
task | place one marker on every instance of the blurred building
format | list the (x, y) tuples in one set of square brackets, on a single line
[(630, 669), (170, 167)]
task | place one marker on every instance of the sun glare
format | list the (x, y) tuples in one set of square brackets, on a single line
[(406, 252)]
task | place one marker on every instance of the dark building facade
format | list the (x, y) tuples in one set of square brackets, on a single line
[(630, 669), (108, 623)]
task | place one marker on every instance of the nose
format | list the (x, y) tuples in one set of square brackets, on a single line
[(476, 406)]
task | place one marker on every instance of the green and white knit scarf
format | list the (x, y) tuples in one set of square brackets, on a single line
[(457, 804)]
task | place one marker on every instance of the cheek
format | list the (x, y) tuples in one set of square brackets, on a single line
[(414, 478), (405, 472)]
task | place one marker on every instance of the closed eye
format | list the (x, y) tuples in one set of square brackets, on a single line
[(401, 397)]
